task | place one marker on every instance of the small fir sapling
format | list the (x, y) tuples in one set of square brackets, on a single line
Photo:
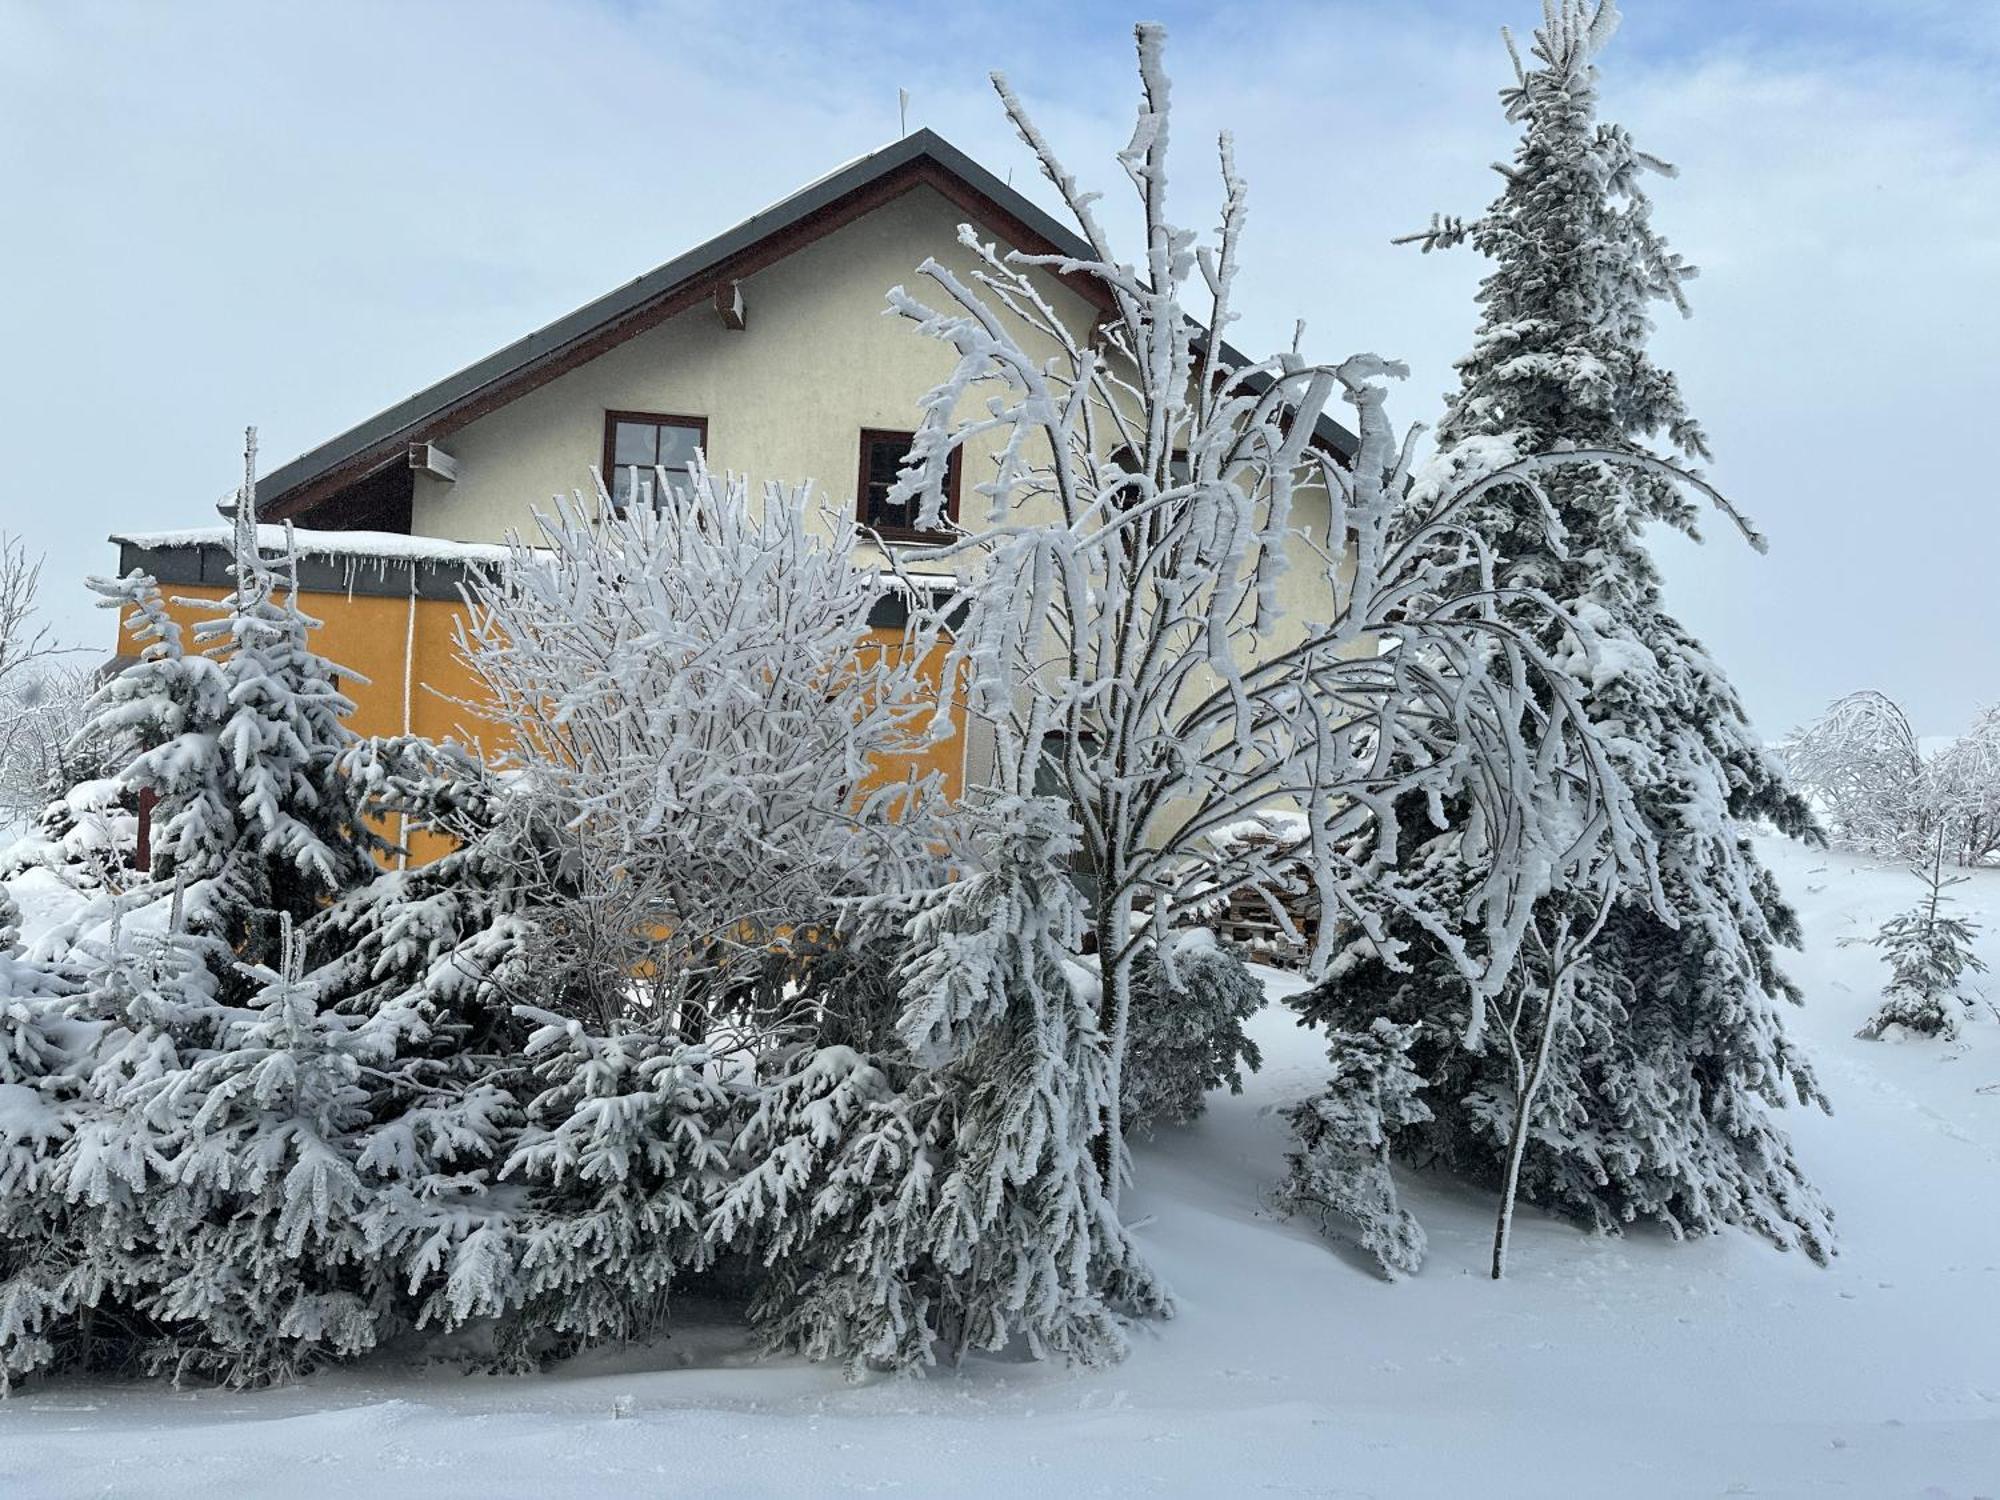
[(1930, 952), (1338, 1169), (1190, 998)]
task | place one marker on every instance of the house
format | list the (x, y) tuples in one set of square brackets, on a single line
[(766, 347)]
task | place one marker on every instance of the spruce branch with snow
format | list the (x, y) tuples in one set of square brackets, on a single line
[(1669, 1055), (945, 1195), (1339, 1168)]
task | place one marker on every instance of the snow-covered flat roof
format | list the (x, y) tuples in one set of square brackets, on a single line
[(388, 545)]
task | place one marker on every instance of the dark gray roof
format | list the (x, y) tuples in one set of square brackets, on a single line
[(408, 416)]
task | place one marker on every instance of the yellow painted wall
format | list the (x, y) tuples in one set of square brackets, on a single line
[(369, 637)]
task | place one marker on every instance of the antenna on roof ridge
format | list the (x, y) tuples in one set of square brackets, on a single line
[(903, 112)]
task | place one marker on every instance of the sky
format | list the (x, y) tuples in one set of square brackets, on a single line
[(223, 214)]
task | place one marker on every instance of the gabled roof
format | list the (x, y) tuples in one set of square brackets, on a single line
[(922, 157)]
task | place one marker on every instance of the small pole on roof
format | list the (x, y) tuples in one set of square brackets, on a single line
[(903, 111)]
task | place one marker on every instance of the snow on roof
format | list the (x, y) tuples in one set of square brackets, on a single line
[(385, 545)]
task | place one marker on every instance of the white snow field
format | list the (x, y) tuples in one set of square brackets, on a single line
[(1602, 1367)]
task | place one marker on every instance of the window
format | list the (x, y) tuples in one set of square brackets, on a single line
[(1179, 470), (638, 443), (882, 455)]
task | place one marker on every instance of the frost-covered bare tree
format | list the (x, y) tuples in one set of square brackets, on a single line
[(43, 751), (1131, 632), (34, 687), (1865, 768), (693, 695)]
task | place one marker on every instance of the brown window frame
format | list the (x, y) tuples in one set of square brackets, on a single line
[(872, 436), (653, 419)]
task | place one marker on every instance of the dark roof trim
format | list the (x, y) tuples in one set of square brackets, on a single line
[(206, 564), (294, 489)]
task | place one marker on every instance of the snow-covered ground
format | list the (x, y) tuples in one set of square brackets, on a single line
[(1603, 1367)]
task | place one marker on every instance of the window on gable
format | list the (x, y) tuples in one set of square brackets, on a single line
[(1179, 470), (882, 456), (638, 444)]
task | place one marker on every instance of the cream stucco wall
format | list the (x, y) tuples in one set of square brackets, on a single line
[(786, 398)]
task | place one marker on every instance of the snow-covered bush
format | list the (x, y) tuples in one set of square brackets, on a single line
[(1186, 1034), (1861, 764), (1339, 1169), (44, 747), (41, 696), (1930, 952), (690, 696), (1866, 770)]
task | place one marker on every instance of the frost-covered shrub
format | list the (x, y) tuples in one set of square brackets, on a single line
[(1339, 1169), (1186, 1034)]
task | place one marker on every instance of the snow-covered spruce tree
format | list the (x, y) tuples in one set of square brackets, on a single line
[(1150, 490), (204, 1203), (946, 1196), (1190, 999), (39, 1094), (1339, 1168), (1930, 952), (1670, 1053), (239, 746)]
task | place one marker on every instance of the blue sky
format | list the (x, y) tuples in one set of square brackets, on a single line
[(296, 215)]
